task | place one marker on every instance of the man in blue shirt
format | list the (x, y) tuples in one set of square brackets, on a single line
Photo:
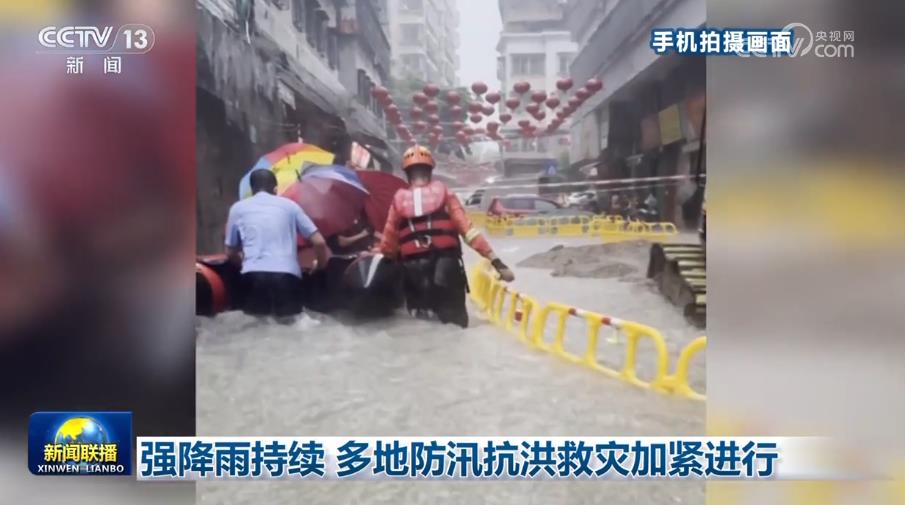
[(262, 234)]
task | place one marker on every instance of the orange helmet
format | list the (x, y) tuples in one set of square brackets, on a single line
[(417, 155)]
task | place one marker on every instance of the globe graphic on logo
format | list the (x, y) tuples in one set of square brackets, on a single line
[(81, 430)]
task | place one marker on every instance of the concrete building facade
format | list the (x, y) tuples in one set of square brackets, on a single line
[(649, 118), (424, 36), (273, 71), (535, 46)]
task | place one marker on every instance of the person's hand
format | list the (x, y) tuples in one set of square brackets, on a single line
[(504, 271)]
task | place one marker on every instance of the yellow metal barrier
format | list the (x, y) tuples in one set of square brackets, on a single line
[(610, 227), (527, 318), (477, 218), (679, 381)]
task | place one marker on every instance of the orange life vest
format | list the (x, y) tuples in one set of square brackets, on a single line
[(425, 224)]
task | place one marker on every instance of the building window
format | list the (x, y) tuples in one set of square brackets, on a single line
[(311, 22), (298, 14), (528, 64), (413, 62), (322, 20), (413, 34), (565, 59), (412, 5), (332, 48)]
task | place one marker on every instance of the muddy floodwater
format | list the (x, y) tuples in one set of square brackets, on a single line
[(325, 376)]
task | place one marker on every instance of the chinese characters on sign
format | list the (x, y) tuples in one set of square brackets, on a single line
[(711, 41), (174, 458)]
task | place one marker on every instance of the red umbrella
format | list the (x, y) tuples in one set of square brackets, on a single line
[(382, 188), (332, 204)]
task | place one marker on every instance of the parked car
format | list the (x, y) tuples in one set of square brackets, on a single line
[(518, 206), (475, 199), (580, 199)]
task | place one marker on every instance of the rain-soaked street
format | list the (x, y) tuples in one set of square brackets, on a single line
[(323, 377)]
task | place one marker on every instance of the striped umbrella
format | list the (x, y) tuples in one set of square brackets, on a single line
[(287, 162)]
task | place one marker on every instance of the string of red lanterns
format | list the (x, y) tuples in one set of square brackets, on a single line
[(426, 107)]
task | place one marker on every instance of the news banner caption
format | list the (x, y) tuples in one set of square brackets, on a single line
[(461, 458)]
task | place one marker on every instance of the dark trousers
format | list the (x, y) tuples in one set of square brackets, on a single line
[(437, 282), (272, 294)]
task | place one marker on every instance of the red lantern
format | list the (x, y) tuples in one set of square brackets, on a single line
[(419, 126), (401, 130), (521, 87), (455, 111), (380, 93), (480, 131), (532, 109), (505, 118), (453, 98), (420, 98), (479, 88), (524, 123), (476, 118), (574, 102), (467, 130), (415, 113), (394, 120), (582, 94), (392, 109), (493, 126), (538, 97), (513, 103), (553, 102), (437, 129), (493, 97), (458, 125), (433, 119), (431, 90), (488, 110), (431, 107), (475, 107), (564, 84), (594, 85), (540, 115)]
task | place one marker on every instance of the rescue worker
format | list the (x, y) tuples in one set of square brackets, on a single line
[(423, 230)]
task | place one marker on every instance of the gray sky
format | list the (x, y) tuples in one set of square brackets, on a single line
[(479, 32)]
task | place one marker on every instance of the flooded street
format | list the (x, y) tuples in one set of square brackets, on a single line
[(406, 377)]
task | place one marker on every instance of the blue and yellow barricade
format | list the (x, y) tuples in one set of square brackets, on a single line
[(527, 318)]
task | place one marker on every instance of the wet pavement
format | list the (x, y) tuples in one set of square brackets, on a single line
[(395, 377)]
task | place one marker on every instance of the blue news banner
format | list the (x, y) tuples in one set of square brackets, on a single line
[(468, 458)]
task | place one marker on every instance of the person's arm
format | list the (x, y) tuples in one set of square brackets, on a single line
[(307, 229), (389, 242), (345, 241), (474, 238), (233, 241), (321, 251)]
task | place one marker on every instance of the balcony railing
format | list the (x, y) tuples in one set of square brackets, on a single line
[(622, 24)]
